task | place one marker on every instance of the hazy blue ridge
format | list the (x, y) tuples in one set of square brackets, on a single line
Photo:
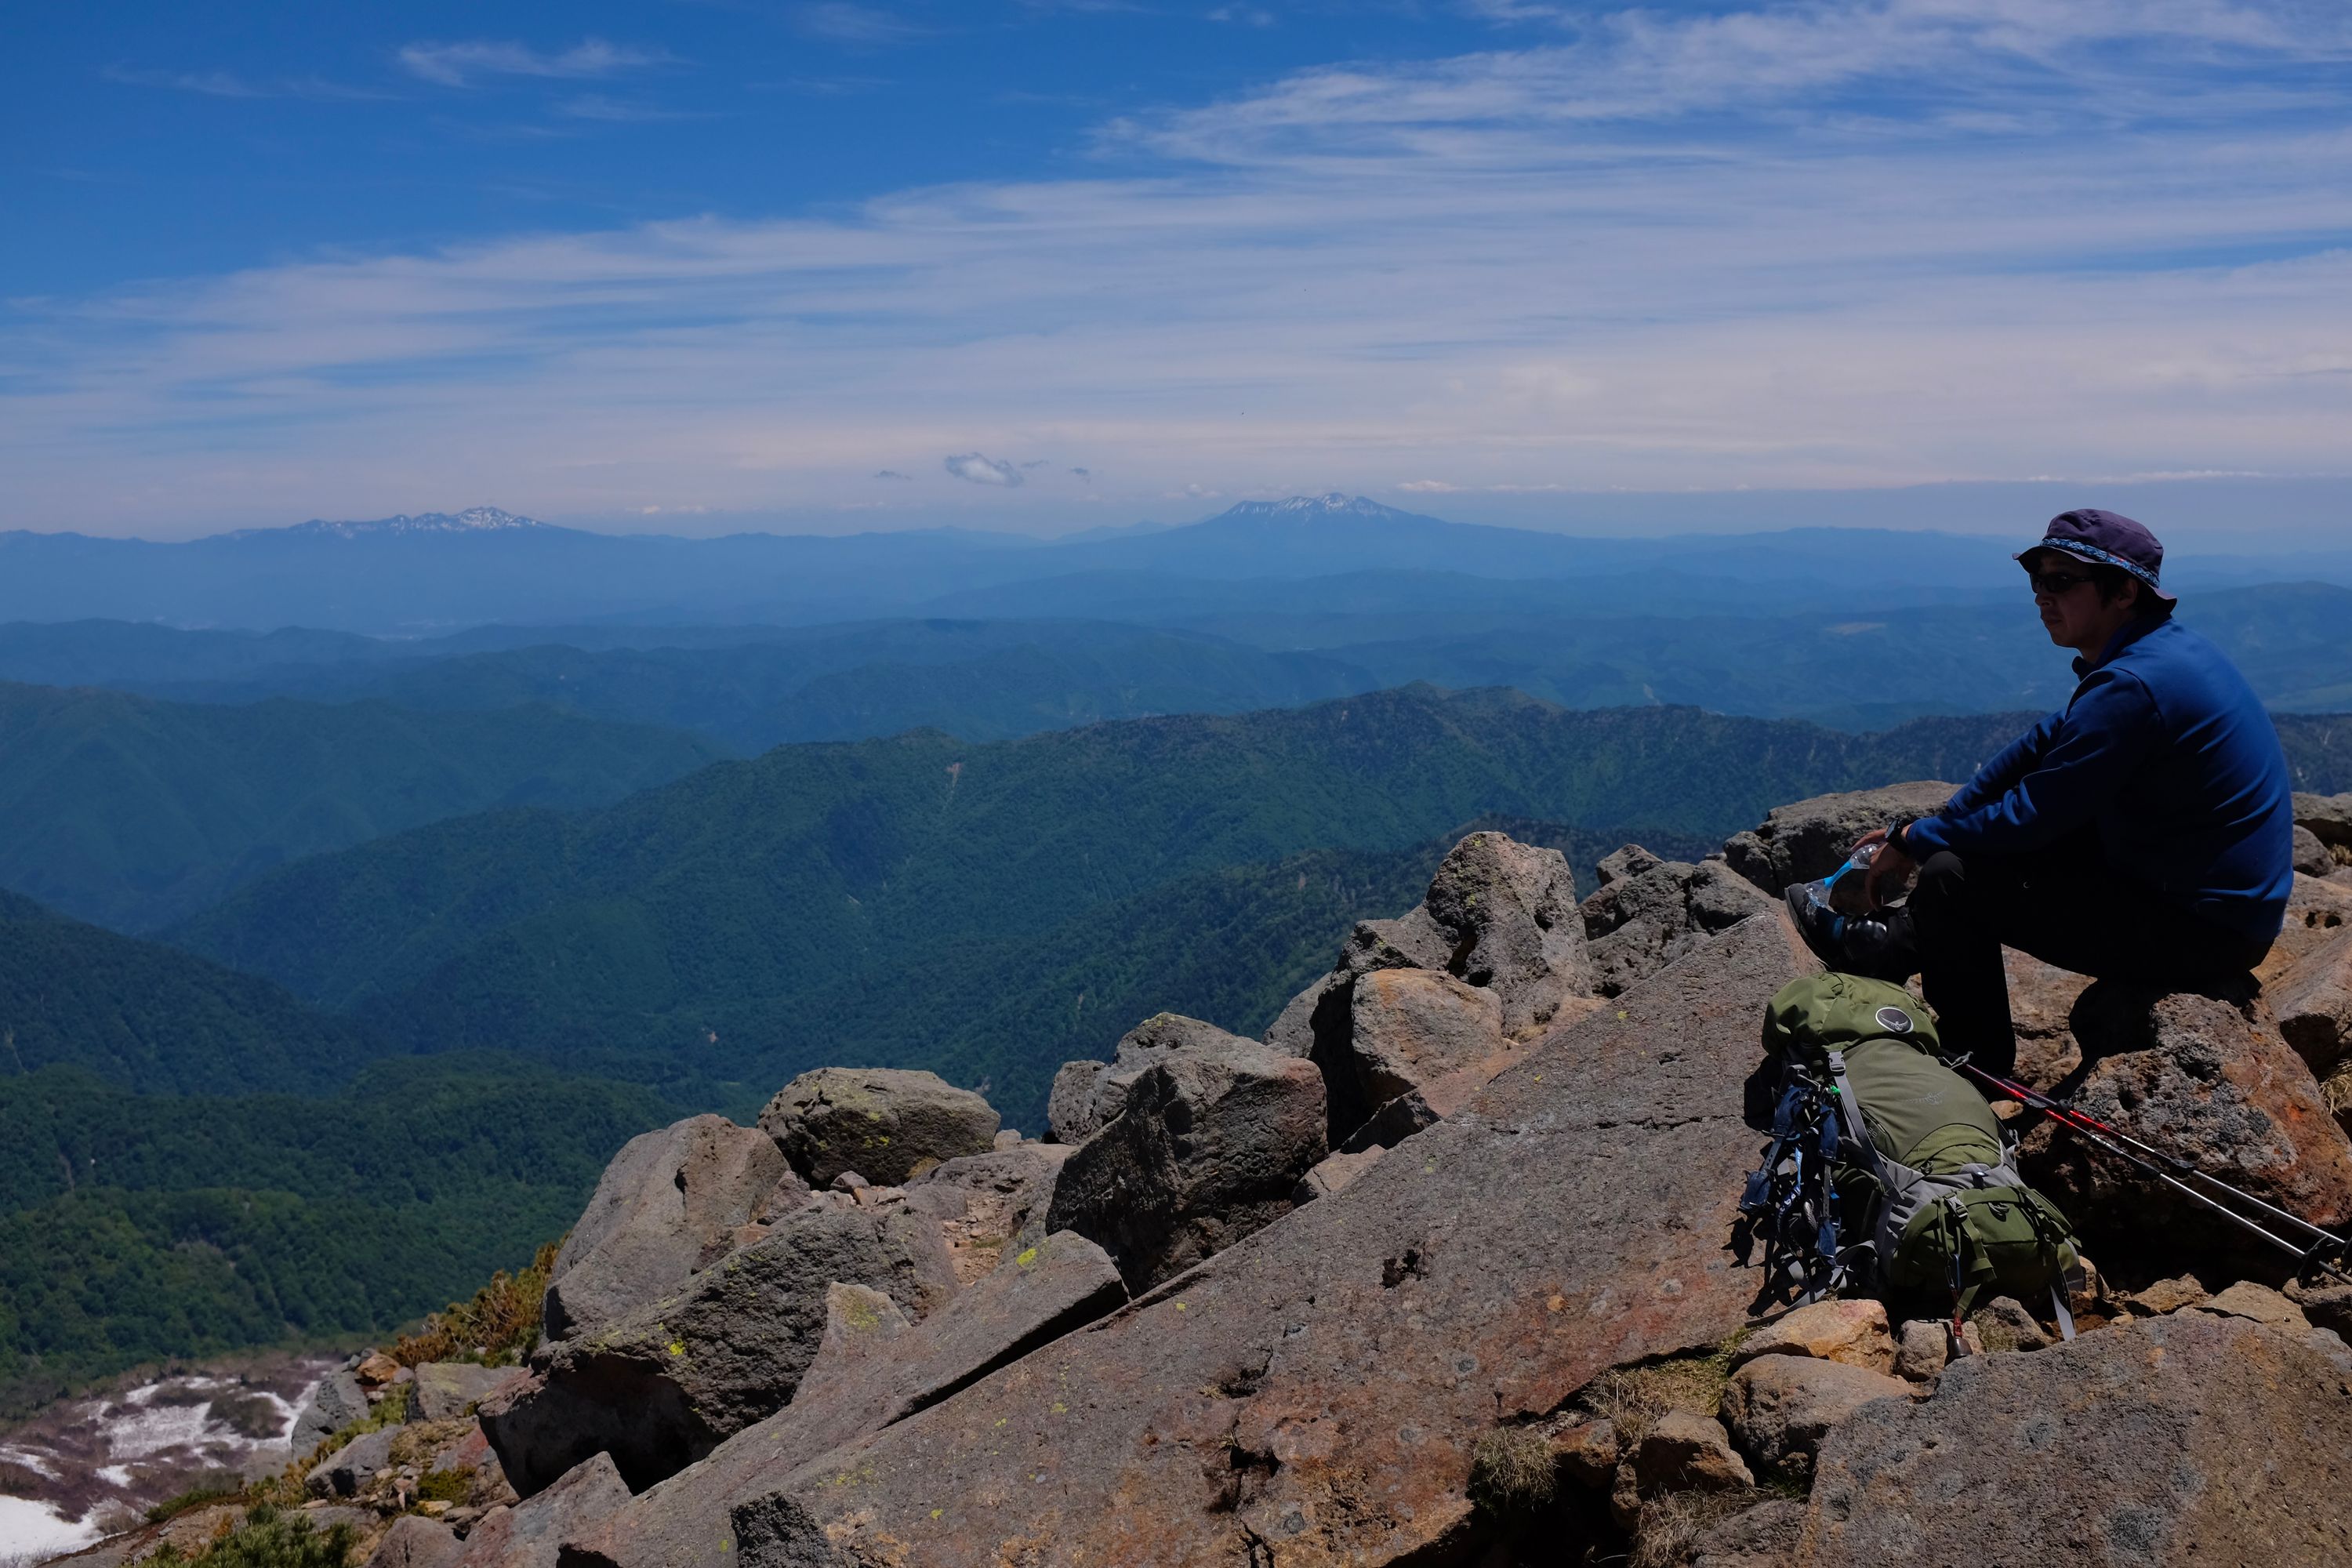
[(133, 813), (150, 1018), (134, 1228), (843, 901)]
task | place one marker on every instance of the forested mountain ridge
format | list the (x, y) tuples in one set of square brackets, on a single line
[(153, 1020), (813, 900), (133, 813), (136, 1229)]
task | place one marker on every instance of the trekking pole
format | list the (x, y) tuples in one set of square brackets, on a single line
[(2082, 1121), (2107, 1138)]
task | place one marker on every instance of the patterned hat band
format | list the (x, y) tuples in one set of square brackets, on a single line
[(2092, 552)]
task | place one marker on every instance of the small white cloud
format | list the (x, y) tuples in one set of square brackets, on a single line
[(846, 23), (891, 474), (1244, 15), (458, 65), (615, 110), (1428, 488), (982, 471), (211, 84)]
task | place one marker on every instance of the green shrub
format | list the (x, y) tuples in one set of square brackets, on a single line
[(212, 1489), (268, 1538)]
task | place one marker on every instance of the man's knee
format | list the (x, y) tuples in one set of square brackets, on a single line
[(1940, 896)]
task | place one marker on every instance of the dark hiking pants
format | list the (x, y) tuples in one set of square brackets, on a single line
[(2065, 907)]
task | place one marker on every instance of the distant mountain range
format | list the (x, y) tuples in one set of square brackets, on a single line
[(437, 572), (903, 901), (133, 813)]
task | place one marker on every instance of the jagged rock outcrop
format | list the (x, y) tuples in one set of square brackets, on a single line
[(338, 1402), (447, 1390), (1798, 843), (1651, 912), (2186, 1439), (2329, 818), (2314, 1003), (1087, 1095), (669, 1203), (1500, 917), (343, 1472), (1853, 1331), (988, 1204), (413, 1541), (1316, 1391), (1779, 1407), (875, 1368), (530, 1533), (660, 1386), (1510, 909), (2311, 856), (885, 1123), (2317, 910), (2209, 1079), (1210, 1146)]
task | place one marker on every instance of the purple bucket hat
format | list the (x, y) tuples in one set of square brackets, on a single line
[(2109, 539)]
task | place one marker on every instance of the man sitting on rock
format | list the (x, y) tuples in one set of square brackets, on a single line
[(2143, 832)]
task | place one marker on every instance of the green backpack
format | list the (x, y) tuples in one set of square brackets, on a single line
[(1876, 1140)]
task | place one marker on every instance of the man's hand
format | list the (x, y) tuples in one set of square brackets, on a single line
[(1890, 869)]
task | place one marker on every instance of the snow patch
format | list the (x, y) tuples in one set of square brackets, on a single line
[(34, 1529)]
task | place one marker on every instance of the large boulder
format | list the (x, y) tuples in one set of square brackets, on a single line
[(338, 1402), (669, 1203), (985, 1204), (885, 1123), (2310, 853), (2326, 817), (1853, 1331), (2314, 1003), (2186, 1439), (2316, 913), (1499, 917), (661, 1386), (873, 1369), (1086, 1095), (1652, 911), (349, 1469), (1409, 1026), (1209, 1148), (1779, 1407), (447, 1390), (2041, 998), (1510, 910), (413, 1541), (1314, 1394), (2209, 1079), (531, 1534), (1809, 839), (1319, 1013)]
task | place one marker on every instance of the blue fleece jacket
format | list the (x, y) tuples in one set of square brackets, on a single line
[(2167, 749)]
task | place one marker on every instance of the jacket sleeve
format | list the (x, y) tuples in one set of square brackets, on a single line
[(2092, 750), (1992, 780)]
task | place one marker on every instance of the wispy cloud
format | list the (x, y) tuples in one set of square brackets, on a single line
[(982, 471), (618, 110), (463, 64), (229, 84), (843, 23), (1458, 272)]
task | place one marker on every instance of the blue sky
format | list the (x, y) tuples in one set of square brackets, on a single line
[(1037, 264)]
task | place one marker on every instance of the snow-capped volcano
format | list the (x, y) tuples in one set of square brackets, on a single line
[(473, 520), (1333, 504)]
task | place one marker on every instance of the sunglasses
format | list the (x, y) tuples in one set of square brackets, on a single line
[(2055, 582)]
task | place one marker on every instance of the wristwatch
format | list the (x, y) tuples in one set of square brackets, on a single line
[(1898, 828)]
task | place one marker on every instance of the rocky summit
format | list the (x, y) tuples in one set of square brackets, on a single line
[(1446, 1268)]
